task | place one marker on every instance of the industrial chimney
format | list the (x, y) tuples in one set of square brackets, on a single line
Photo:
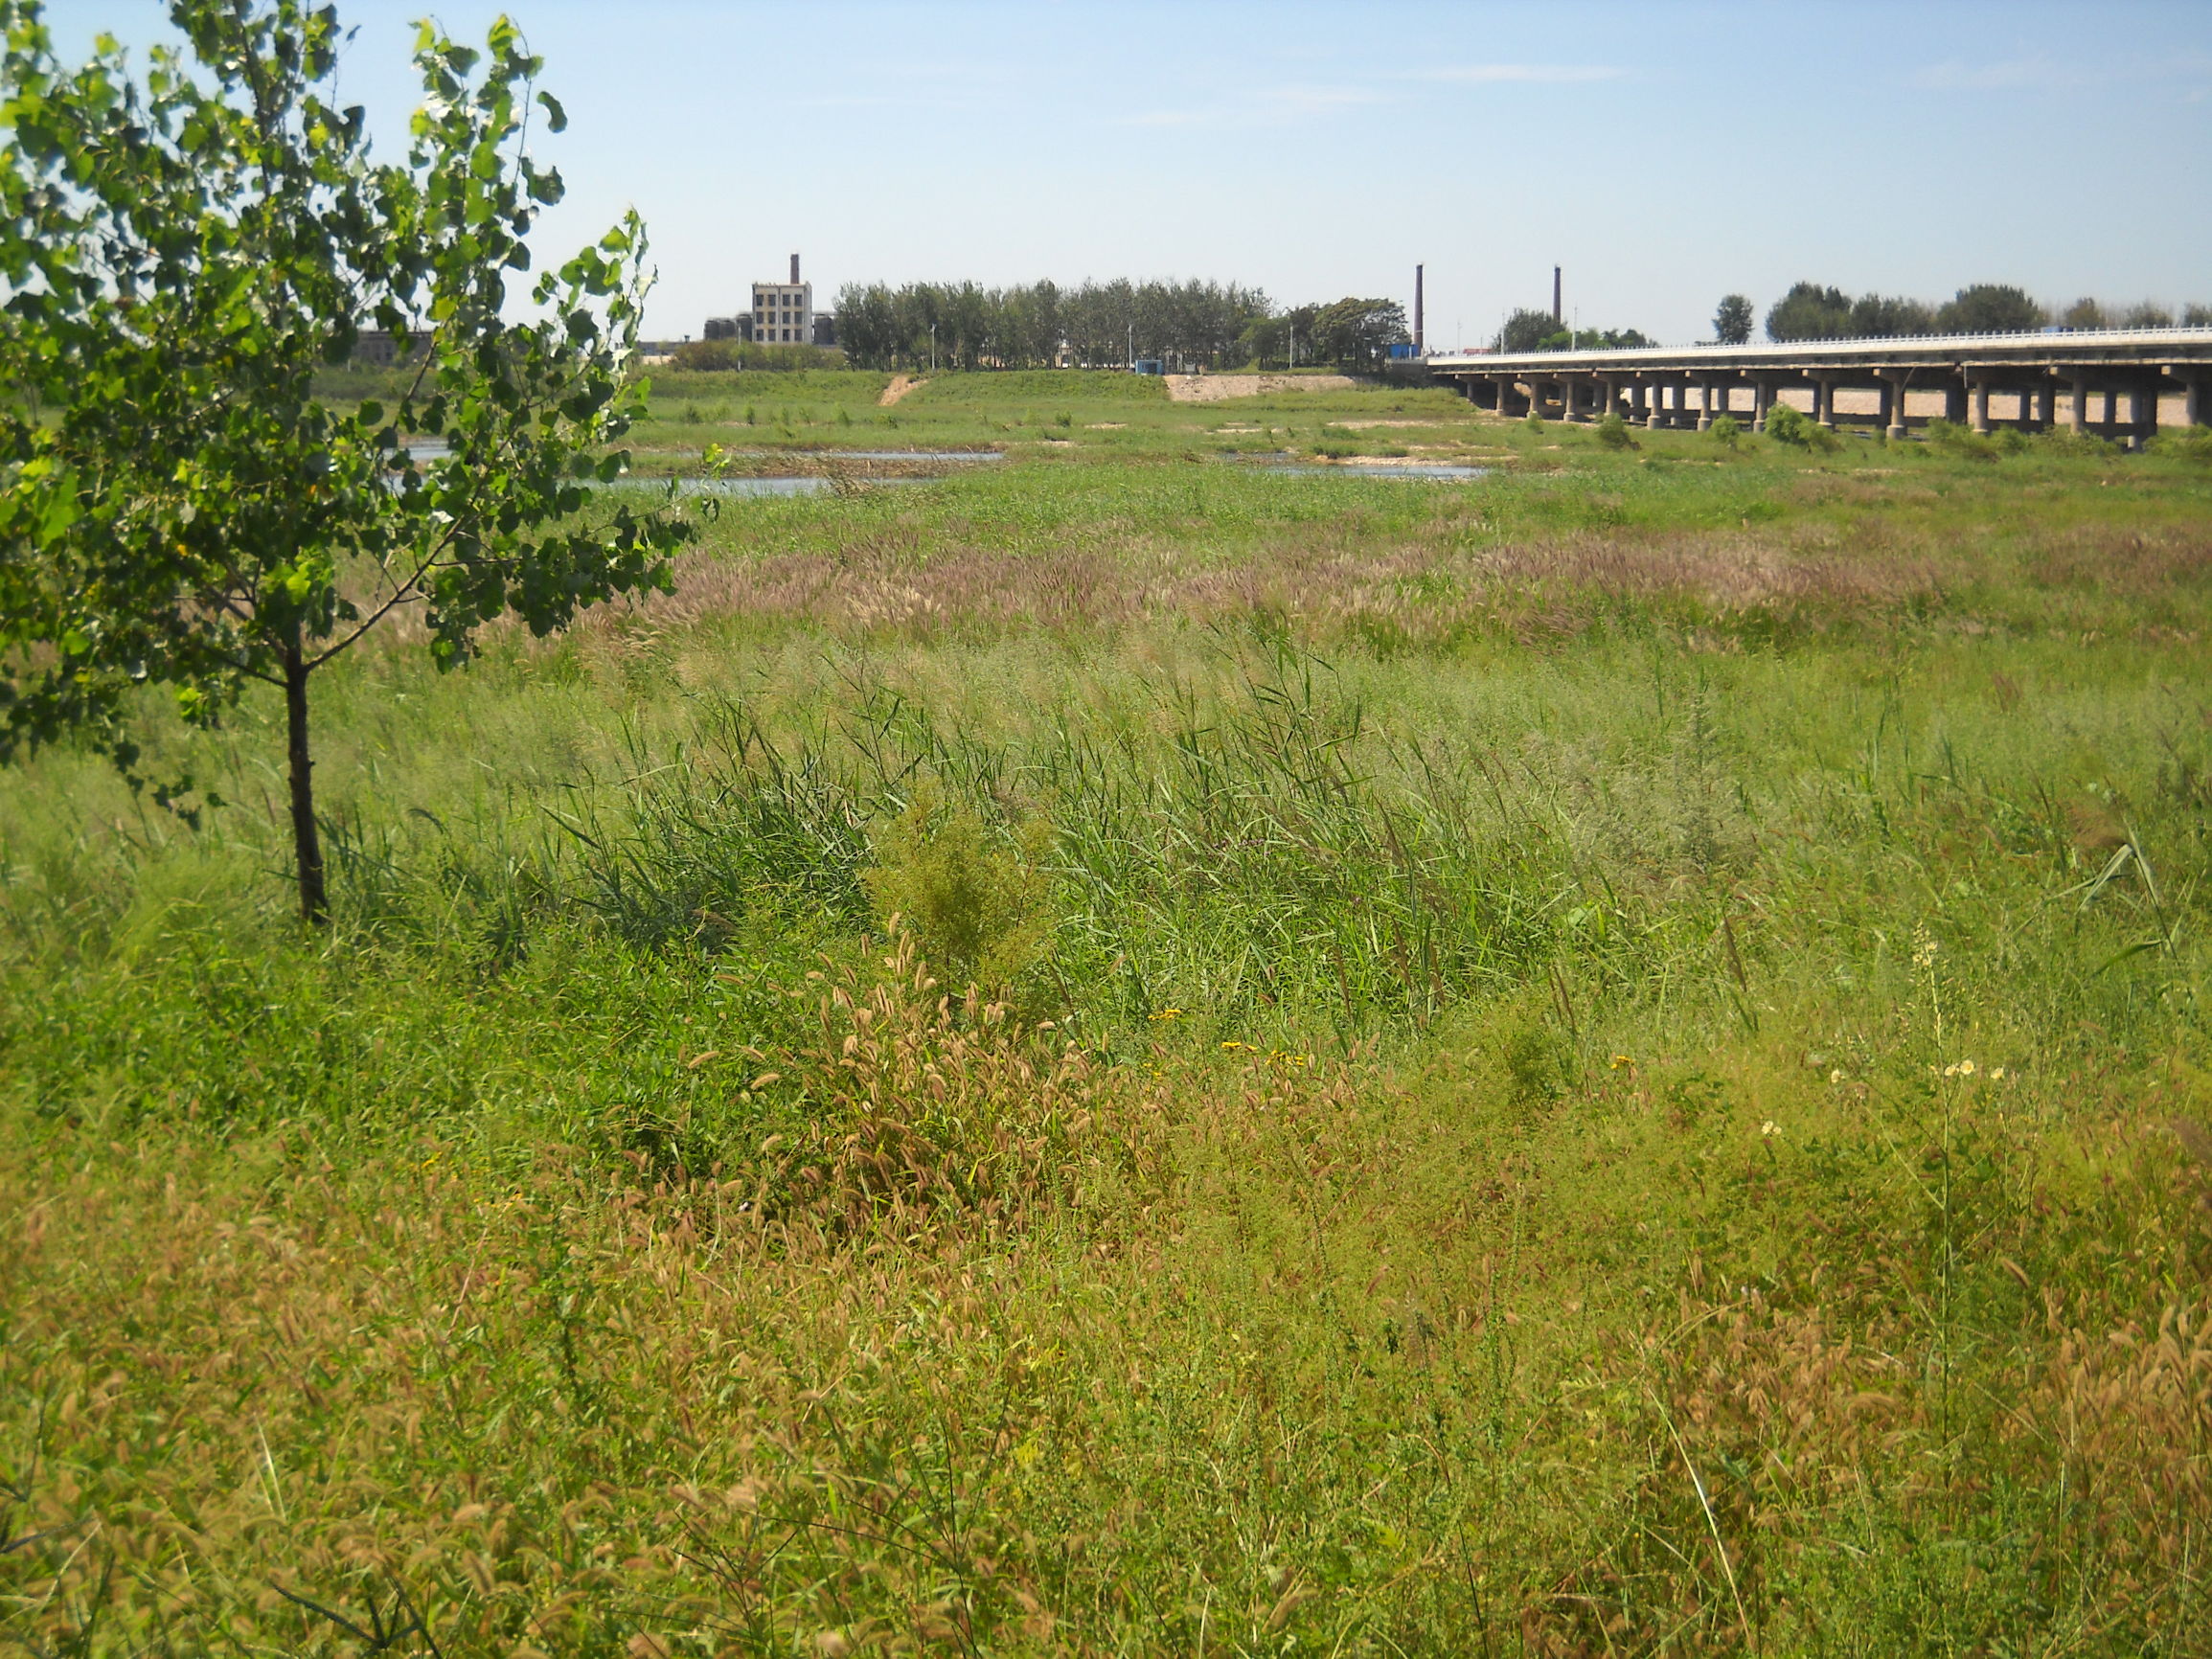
[(795, 279), (1556, 315), (1417, 310)]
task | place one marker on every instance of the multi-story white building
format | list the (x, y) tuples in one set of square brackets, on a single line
[(784, 312)]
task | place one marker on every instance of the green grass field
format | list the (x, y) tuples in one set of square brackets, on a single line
[(1117, 1051)]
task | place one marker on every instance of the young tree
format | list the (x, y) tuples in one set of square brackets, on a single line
[(1732, 320), (178, 505)]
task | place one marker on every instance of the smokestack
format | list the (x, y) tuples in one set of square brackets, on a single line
[(795, 279), (1554, 288), (1416, 310)]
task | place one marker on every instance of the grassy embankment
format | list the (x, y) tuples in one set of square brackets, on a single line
[(1588, 1064)]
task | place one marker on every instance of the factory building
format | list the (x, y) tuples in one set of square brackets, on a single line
[(782, 314)]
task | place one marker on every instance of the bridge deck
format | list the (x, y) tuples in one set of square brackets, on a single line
[(1674, 385), (2115, 348)]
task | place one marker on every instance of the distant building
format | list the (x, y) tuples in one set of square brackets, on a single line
[(378, 348), (784, 312)]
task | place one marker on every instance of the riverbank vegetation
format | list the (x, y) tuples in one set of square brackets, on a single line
[(1120, 1051)]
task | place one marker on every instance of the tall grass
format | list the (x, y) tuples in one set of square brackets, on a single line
[(1617, 1064)]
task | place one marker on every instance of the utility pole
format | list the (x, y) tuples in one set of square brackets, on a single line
[(1417, 272), (1133, 347), (933, 348)]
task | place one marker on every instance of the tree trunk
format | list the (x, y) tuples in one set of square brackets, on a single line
[(306, 843)]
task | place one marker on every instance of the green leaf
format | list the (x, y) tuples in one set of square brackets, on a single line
[(556, 117)]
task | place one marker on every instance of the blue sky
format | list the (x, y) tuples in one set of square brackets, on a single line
[(1664, 154)]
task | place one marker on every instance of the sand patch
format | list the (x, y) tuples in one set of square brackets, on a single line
[(1220, 388), (901, 385)]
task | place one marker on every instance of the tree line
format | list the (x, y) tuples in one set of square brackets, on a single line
[(1532, 330), (1810, 311), (1183, 325)]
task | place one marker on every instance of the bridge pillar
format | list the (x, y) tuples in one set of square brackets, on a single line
[(1706, 391), (2080, 403), (1824, 402), (2110, 408), (2047, 405), (1570, 403), (2193, 400), (1893, 388), (1762, 402), (1639, 404), (1981, 407), (2142, 415)]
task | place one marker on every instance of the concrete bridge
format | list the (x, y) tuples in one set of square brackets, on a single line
[(2109, 382)]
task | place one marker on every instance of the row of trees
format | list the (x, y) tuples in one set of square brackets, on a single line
[(1528, 330), (1185, 325), (1809, 312), (2088, 313)]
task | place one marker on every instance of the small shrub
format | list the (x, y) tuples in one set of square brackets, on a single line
[(1949, 438), (844, 415), (1790, 425), (1538, 1068), (752, 415), (1613, 432), (1726, 431), (1534, 422), (1787, 423), (978, 909), (2190, 444), (2065, 440)]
